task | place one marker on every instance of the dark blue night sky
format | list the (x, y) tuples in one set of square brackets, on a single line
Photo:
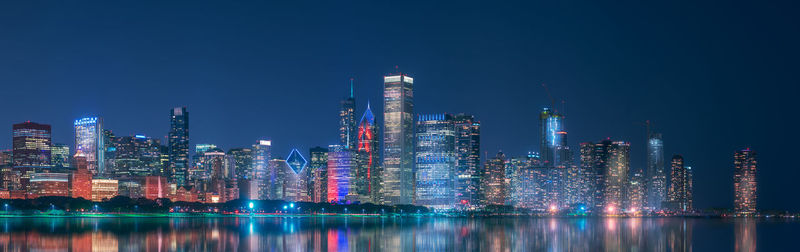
[(712, 77)]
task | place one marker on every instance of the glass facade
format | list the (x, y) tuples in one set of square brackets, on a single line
[(398, 139), (179, 145), (656, 178), (60, 157), (262, 153), (341, 163), (436, 161), (319, 173), (89, 143), (31, 143), (550, 124), (468, 160)]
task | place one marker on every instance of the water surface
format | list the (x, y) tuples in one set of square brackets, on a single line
[(393, 234)]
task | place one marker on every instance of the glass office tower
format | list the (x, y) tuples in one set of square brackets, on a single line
[(398, 139)]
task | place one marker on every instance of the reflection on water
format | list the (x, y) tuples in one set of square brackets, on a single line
[(371, 234)]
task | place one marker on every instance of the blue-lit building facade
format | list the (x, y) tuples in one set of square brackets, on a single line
[(436, 161), (341, 163), (655, 176), (89, 143), (262, 153), (550, 124)]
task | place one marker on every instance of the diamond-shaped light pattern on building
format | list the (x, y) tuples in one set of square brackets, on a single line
[(296, 161)]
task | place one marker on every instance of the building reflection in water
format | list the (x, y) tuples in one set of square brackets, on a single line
[(745, 233), (358, 234)]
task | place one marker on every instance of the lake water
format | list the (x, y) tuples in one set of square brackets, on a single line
[(397, 234)]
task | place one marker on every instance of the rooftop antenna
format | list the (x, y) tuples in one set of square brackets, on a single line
[(351, 87)]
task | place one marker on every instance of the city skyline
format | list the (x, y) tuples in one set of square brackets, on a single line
[(706, 133)]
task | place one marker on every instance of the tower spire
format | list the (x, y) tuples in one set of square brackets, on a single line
[(351, 87)]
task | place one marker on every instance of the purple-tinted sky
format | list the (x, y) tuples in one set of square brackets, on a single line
[(713, 77)]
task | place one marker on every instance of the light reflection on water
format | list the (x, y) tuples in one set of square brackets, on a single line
[(382, 234)]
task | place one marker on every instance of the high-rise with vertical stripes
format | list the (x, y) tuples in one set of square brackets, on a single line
[(398, 139)]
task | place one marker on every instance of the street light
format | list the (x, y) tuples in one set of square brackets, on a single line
[(251, 205)]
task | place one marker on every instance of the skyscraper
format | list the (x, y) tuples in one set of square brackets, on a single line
[(590, 178), (179, 145), (655, 177), (89, 143), (635, 192), (60, 157), (605, 166), (745, 182), (550, 124), (468, 159), (347, 121), (240, 161), (262, 153), (679, 195), (31, 149), (319, 174), (137, 155), (368, 178), (616, 175), (398, 139), (297, 177), (341, 163), (436, 157), (493, 184)]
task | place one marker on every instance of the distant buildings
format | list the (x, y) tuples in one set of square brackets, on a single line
[(432, 161), (178, 143), (745, 182), (605, 166), (398, 139), (89, 143)]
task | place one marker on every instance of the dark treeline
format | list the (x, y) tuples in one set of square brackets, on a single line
[(124, 204)]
